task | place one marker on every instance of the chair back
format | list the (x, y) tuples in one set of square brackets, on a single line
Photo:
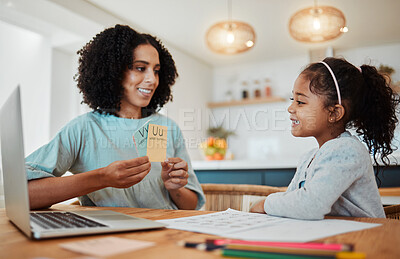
[(392, 212), (389, 191), (220, 197)]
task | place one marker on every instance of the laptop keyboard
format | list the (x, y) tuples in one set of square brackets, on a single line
[(56, 220)]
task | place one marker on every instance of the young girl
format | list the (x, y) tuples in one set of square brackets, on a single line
[(337, 178)]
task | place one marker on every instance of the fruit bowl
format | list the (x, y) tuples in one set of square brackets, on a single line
[(214, 148)]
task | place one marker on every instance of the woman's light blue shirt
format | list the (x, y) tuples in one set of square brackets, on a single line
[(95, 140)]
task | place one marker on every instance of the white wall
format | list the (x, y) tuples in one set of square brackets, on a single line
[(26, 60), (264, 130), (281, 72), (376, 55), (65, 98)]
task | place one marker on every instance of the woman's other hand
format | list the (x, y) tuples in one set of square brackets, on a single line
[(125, 173), (174, 173)]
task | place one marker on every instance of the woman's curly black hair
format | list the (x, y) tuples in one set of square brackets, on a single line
[(370, 103), (102, 65)]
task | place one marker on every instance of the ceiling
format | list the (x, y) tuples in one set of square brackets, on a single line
[(182, 24)]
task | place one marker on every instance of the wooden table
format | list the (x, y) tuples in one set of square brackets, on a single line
[(379, 242)]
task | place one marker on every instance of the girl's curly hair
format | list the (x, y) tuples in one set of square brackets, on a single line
[(370, 103), (103, 62)]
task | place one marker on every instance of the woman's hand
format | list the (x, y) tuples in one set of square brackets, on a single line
[(174, 173), (119, 174), (175, 176), (258, 207), (125, 173)]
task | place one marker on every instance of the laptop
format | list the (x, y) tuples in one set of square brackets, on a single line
[(47, 224)]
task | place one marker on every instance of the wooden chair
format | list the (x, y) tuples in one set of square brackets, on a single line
[(241, 197), (393, 211), (75, 203), (389, 191), (220, 197)]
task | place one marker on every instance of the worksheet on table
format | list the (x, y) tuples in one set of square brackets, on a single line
[(261, 227)]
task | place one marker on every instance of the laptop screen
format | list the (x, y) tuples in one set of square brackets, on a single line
[(13, 163)]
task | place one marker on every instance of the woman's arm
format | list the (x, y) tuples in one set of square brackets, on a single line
[(175, 176), (184, 198), (45, 192)]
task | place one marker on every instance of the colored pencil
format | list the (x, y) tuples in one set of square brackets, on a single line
[(320, 246), (283, 250), (265, 255)]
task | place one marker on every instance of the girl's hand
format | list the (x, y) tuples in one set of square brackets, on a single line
[(125, 173), (258, 207), (174, 173)]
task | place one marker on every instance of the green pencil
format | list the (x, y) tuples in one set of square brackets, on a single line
[(266, 255)]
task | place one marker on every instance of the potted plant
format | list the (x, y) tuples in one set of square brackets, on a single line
[(386, 71)]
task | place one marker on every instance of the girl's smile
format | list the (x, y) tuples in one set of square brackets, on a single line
[(294, 122)]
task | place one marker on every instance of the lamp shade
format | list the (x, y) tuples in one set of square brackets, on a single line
[(230, 37), (317, 24)]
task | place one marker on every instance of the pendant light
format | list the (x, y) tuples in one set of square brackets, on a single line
[(230, 37), (317, 24)]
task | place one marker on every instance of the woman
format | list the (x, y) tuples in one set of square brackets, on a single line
[(125, 77)]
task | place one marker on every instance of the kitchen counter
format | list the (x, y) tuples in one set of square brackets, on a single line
[(272, 172), (244, 164), (281, 162)]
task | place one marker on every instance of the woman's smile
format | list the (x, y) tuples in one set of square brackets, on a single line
[(140, 82), (146, 92)]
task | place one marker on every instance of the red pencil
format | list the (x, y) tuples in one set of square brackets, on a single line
[(320, 246)]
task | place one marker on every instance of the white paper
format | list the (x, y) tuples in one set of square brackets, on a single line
[(261, 227), (106, 246)]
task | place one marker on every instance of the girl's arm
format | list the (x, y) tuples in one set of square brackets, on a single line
[(258, 207), (45, 192), (334, 170)]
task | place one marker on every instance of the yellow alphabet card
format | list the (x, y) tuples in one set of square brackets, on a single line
[(157, 143)]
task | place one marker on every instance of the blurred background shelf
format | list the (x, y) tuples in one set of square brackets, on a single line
[(246, 102)]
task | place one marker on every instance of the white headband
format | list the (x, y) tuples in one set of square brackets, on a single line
[(334, 80)]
